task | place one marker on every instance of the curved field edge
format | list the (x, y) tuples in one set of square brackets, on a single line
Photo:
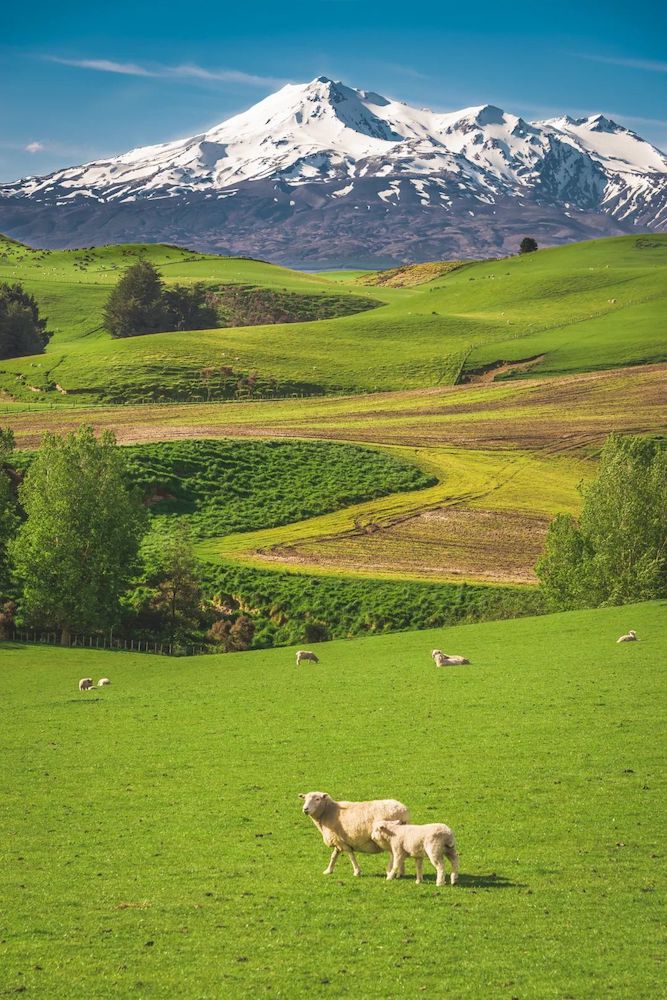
[(548, 767), (500, 481)]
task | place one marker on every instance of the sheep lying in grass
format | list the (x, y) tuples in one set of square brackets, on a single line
[(85, 684), (305, 654), (434, 841), (630, 637), (346, 827), (445, 660), (103, 681)]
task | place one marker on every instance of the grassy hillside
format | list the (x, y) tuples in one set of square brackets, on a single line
[(579, 307), (152, 837)]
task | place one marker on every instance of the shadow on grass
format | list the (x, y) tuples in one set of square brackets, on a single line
[(465, 881), (491, 881), (83, 701)]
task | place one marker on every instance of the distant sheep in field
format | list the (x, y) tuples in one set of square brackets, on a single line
[(445, 660), (434, 841), (85, 684), (103, 681), (346, 827), (630, 637), (305, 654)]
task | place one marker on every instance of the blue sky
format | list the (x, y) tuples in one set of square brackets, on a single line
[(82, 80)]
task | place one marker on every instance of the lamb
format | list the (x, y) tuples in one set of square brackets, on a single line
[(304, 654), (346, 827), (103, 681), (432, 840), (445, 660), (85, 684), (630, 637)]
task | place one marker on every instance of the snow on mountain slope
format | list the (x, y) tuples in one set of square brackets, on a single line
[(323, 147)]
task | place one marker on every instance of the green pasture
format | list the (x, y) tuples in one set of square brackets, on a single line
[(583, 306), (153, 845)]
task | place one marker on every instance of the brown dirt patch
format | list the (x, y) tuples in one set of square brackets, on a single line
[(494, 546)]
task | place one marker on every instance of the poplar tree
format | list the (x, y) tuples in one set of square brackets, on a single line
[(76, 550)]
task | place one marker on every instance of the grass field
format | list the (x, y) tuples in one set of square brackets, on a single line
[(153, 843), (587, 306)]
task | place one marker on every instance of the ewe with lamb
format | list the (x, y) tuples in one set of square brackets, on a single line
[(347, 827)]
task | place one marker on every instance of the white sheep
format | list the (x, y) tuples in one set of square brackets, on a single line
[(630, 637), (434, 841), (305, 654), (85, 684), (103, 681), (346, 827), (445, 660)]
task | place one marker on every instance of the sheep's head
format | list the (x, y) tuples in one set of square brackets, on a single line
[(383, 830), (632, 632), (314, 802), (436, 652)]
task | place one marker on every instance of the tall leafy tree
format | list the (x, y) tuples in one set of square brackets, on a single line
[(616, 552), (76, 550), (22, 330), (135, 305)]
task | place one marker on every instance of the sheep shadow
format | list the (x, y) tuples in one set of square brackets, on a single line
[(83, 701), (465, 881), (490, 881)]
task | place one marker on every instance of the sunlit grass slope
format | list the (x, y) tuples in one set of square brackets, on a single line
[(579, 307), (153, 844)]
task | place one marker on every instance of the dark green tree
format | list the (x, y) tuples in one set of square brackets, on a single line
[(77, 548), (135, 305), (616, 552), (528, 245), (174, 579), (21, 329), (186, 307)]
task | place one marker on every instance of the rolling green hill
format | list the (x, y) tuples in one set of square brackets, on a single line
[(575, 308), (152, 837)]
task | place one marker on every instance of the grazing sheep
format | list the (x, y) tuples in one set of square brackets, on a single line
[(630, 637), (445, 660), (304, 654), (346, 827), (85, 684), (434, 841), (103, 681)]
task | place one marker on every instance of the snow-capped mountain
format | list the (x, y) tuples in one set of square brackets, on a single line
[(326, 173)]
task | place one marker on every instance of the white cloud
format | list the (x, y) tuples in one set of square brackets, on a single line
[(652, 65), (35, 147), (180, 72)]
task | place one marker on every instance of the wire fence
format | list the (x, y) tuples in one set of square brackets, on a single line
[(111, 644)]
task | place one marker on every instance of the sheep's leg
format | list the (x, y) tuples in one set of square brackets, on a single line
[(398, 866), (356, 870), (335, 854), (419, 865), (453, 856), (438, 863)]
